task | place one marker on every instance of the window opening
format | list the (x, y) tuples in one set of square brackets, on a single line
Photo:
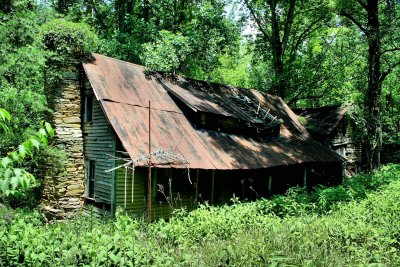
[(91, 178), (89, 108)]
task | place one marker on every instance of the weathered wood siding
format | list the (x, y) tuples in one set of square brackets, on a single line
[(99, 144), (183, 193), (343, 143), (139, 178)]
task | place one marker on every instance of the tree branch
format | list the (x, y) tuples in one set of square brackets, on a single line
[(390, 50), (356, 22), (362, 4), (303, 36), (98, 15), (297, 97), (288, 24), (388, 71), (257, 20)]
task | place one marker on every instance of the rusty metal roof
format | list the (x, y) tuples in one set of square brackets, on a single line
[(323, 120), (124, 91)]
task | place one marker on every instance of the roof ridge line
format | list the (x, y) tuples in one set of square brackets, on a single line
[(120, 60)]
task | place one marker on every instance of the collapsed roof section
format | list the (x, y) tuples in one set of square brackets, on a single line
[(211, 98), (124, 91)]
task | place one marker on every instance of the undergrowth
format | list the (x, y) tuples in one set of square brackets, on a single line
[(352, 224)]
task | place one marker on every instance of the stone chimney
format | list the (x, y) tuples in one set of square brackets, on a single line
[(63, 186)]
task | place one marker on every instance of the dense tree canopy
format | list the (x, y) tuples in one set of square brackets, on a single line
[(378, 22), (311, 53), (288, 31)]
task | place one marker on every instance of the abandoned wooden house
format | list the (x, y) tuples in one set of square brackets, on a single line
[(203, 141), (333, 127)]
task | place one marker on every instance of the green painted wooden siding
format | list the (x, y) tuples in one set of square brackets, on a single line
[(138, 204), (183, 194), (99, 144)]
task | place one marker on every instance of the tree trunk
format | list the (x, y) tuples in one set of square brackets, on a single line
[(372, 99), (120, 10), (146, 11), (6, 6), (279, 85)]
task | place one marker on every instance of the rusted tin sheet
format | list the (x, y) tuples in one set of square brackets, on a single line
[(169, 131), (212, 97), (323, 120), (124, 82), (198, 100), (204, 150), (124, 91)]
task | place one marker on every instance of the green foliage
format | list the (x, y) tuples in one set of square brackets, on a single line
[(66, 43), (146, 32), (69, 39), (234, 68), (21, 72), (363, 231), (15, 180), (167, 53), (5, 116)]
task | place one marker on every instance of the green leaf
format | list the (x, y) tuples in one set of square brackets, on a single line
[(42, 132), (15, 156), (114, 258), (5, 127), (4, 185), (18, 172), (5, 161), (7, 173), (22, 151), (5, 115), (35, 143), (14, 181), (49, 129)]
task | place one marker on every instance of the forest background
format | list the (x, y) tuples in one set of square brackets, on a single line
[(310, 53)]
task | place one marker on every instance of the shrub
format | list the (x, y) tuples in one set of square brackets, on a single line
[(361, 232)]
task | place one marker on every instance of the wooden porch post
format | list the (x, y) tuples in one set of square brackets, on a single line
[(170, 185), (270, 185), (212, 186), (197, 185)]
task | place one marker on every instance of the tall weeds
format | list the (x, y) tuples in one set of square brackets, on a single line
[(353, 224)]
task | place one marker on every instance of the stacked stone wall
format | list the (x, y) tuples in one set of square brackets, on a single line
[(63, 186)]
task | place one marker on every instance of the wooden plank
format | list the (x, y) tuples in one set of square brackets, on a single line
[(98, 141), (197, 185), (269, 185), (212, 186)]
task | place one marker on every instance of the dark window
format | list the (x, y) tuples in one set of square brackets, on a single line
[(88, 108), (118, 145), (91, 173)]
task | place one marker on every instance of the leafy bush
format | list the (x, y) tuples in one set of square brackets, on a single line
[(167, 53), (244, 234), (69, 39), (14, 179), (21, 72), (66, 43)]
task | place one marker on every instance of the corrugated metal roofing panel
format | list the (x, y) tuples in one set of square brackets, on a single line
[(203, 149), (127, 83), (124, 92), (169, 131), (195, 100), (323, 120)]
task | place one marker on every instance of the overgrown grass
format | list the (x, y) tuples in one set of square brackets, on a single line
[(353, 224)]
